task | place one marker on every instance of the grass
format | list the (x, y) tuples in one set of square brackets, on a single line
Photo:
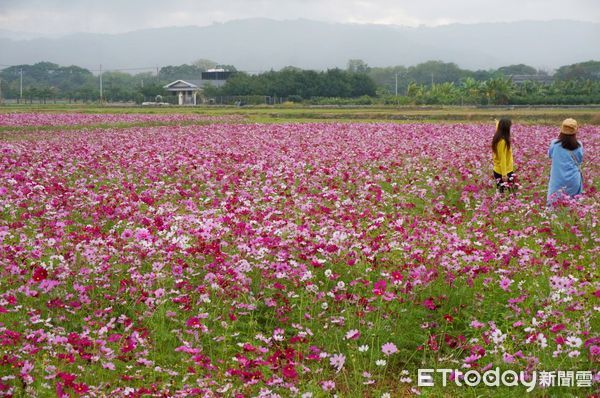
[(370, 113), (400, 322)]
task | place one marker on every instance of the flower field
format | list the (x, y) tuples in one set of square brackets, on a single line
[(308, 260), (83, 119)]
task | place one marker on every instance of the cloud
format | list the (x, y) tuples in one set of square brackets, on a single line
[(113, 16)]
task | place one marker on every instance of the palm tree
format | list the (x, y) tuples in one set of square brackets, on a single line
[(444, 93), (471, 89), (414, 90), (498, 90)]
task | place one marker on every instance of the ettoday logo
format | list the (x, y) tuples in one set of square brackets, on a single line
[(508, 378)]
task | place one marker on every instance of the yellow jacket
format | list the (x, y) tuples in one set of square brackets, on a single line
[(503, 159)]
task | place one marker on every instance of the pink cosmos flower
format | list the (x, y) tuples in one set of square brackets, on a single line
[(508, 358), (328, 385), (353, 334), (337, 361), (505, 284), (142, 234), (126, 234), (389, 349), (476, 324)]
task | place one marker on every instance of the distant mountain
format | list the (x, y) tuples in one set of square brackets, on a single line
[(262, 44), (9, 34)]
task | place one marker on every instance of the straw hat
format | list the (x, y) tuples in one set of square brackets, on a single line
[(569, 126)]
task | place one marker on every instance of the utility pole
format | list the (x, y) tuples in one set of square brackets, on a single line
[(100, 83), (431, 79), (0, 91), (396, 84), (21, 88), (157, 74)]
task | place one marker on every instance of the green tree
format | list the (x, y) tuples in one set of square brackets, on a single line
[(204, 64), (520, 69), (432, 72), (498, 90), (357, 66), (471, 90), (581, 71), (171, 73)]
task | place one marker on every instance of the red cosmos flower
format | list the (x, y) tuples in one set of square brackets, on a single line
[(193, 322), (397, 276), (289, 372), (379, 287), (432, 343), (128, 345), (80, 388), (249, 347), (429, 304), (39, 274), (67, 378)]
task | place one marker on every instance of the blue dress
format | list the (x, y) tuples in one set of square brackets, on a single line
[(565, 173)]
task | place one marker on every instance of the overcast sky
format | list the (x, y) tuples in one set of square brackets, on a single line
[(55, 17)]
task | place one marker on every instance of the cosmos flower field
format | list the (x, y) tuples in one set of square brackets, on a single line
[(310, 260), (32, 119)]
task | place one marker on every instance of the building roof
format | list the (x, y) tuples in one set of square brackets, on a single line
[(192, 85), (531, 78), (179, 85)]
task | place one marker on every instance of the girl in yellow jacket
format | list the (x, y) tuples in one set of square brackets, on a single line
[(503, 158)]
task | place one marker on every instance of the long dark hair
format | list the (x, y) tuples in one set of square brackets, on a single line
[(502, 133), (568, 141)]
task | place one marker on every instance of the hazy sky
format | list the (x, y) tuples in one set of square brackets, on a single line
[(55, 17)]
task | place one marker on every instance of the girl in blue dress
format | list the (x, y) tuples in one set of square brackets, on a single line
[(567, 155)]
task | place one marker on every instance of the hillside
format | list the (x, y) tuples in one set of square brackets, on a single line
[(262, 44)]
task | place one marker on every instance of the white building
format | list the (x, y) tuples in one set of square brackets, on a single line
[(185, 90), (188, 91)]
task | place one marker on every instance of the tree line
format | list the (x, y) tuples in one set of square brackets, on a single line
[(297, 84), (436, 82), (432, 82)]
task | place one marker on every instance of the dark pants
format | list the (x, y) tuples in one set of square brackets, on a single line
[(502, 185)]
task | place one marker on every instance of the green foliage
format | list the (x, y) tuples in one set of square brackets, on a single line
[(171, 73), (428, 83), (335, 83), (520, 69), (44, 78), (495, 89), (358, 66), (426, 74), (582, 71), (204, 64)]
